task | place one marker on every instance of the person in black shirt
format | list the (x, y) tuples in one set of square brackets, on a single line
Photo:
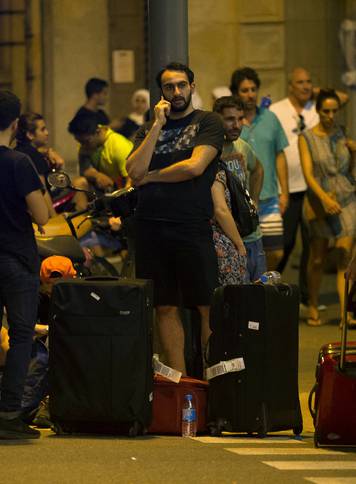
[(20, 198), (30, 127), (174, 162), (32, 139), (96, 91)]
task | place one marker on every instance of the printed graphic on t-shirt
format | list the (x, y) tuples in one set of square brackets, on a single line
[(178, 139), (235, 162)]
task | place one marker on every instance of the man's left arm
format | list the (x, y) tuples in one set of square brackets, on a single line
[(184, 170), (281, 142), (282, 173), (256, 181)]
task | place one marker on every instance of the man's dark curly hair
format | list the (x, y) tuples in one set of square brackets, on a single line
[(175, 66), (240, 75)]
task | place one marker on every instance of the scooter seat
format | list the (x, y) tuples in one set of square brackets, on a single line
[(65, 245)]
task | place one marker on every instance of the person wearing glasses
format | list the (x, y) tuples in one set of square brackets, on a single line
[(296, 113)]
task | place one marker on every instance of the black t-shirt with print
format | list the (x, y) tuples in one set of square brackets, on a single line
[(189, 200), (18, 179), (37, 158)]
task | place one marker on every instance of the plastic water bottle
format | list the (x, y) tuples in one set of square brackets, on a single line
[(270, 277), (266, 101), (189, 417)]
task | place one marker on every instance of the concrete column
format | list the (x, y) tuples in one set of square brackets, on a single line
[(168, 37), (351, 108), (75, 49)]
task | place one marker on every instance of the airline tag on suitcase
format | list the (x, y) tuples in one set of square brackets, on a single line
[(229, 366), (166, 371)]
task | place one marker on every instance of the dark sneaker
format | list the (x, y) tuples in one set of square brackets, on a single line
[(16, 429), (42, 418)]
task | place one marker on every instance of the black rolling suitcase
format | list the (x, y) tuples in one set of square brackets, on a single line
[(253, 357), (100, 355)]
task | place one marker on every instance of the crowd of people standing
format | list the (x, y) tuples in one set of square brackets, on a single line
[(293, 158)]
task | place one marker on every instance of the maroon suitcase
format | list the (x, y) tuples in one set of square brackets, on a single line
[(168, 399), (334, 404)]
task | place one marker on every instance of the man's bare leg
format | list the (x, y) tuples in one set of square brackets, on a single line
[(171, 334), (273, 258), (205, 328), (80, 199)]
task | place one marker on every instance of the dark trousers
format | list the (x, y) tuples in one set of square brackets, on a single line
[(292, 218), (19, 294)]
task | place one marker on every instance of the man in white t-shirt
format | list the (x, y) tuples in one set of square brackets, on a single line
[(296, 113)]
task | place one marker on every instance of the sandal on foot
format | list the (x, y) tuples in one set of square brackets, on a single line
[(314, 321)]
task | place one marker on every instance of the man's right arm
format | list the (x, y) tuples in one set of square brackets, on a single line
[(92, 174), (138, 162)]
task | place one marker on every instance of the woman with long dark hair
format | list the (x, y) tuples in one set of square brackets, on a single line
[(328, 164)]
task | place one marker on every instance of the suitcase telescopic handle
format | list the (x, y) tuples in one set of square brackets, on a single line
[(101, 278), (344, 324)]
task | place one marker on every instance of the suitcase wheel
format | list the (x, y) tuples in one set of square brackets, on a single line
[(298, 430), (316, 440), (217, 427), (136, 429), (61, 429)]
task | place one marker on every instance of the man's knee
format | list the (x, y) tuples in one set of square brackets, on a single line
[(81, 182), (316, 261), (167, 312)]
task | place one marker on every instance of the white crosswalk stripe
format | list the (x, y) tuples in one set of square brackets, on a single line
[(294, 465), (281, 451), (287, 446), (331, 480), (250, 440)]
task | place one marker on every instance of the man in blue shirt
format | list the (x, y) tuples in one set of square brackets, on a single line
[(264, 133)]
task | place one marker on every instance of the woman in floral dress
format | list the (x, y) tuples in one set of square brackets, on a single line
[(229, 246)]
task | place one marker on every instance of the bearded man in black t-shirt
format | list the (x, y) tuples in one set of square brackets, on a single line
[(174, 161)]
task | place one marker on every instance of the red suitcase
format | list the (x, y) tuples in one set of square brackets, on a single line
[(168, 399), (334, 405)]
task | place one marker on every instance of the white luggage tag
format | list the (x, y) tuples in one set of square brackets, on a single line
[(224, 367), (166, 371)]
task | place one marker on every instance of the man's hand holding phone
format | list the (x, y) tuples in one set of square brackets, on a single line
[(162, 111)]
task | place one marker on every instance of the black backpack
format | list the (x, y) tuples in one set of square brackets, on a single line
[(243, 208)]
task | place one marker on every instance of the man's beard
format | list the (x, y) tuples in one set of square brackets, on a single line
[(233, 136), (183, 107)]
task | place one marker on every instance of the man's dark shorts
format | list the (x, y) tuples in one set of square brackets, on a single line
[(181, 260)]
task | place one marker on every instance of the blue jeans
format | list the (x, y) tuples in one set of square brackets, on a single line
[(256, 260), (19, 294)]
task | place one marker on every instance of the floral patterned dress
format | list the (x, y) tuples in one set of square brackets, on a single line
[(232, 265), (332, 169)]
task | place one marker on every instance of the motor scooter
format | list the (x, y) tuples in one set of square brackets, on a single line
[(62, 233)]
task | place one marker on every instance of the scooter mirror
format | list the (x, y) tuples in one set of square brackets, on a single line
[(59, 179)]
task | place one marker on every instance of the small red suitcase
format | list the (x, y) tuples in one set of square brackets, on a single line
[(168, 399), (334, 406)]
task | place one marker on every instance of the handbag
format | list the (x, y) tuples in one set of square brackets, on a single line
[(243, 208), (313, 209)]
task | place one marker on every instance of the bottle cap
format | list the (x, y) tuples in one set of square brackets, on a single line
[(189, 397), (264, 278)]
